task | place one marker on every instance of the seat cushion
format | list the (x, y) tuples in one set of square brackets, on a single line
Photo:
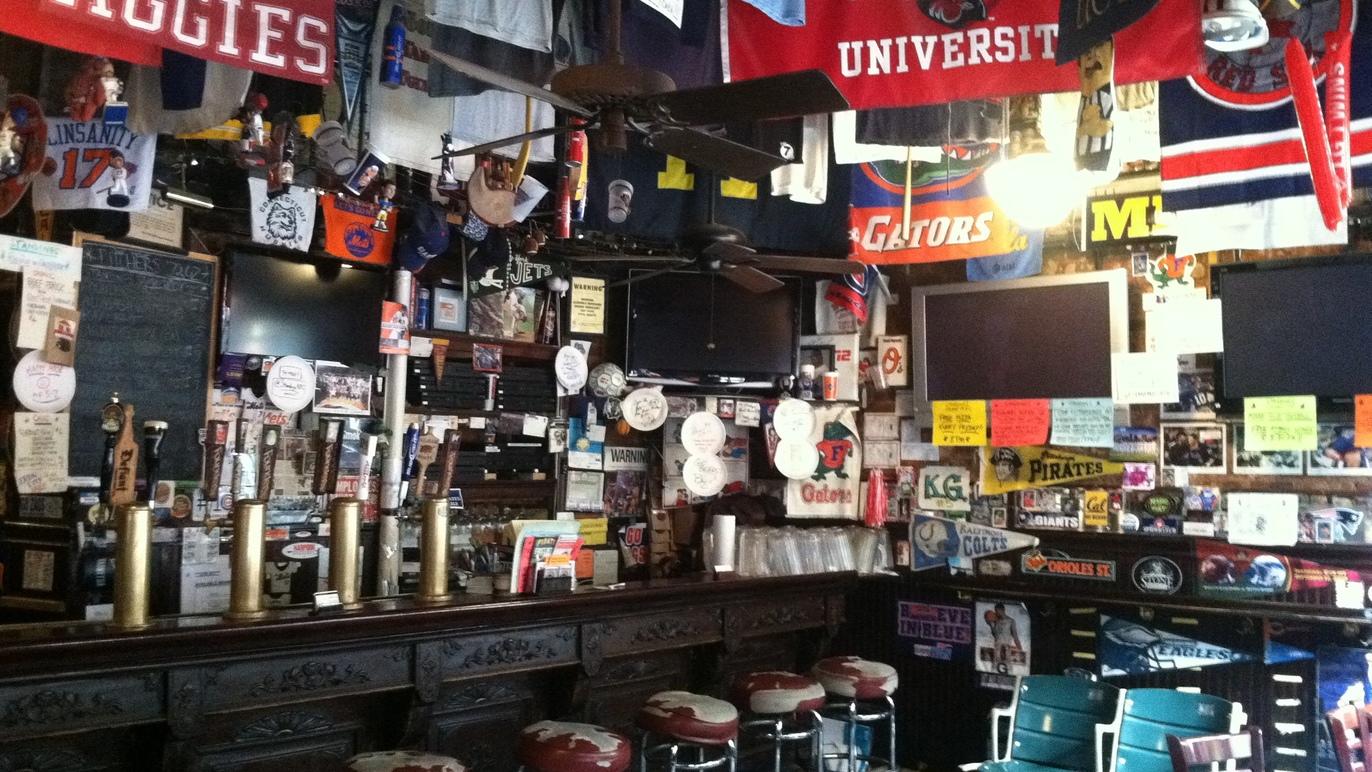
[(403, 761), (1018, 766), (563, 746), (776, 692), (690, 717), (856, 677)]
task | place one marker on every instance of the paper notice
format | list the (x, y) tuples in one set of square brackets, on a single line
[(1019, 422), (18, 254), (587, 312), (1266, 519), (960, 423), (1186, 326), (1145, 377), (1084, 423), (1279, 423), (42, 289), (40, 451), (1362, 406)]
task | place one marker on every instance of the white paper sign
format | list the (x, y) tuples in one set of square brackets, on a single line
[(42, 289), (40, 451), (1266, 519), (748, 413), (1186, 326), (18, 254), (1084, 423), (160, 223), (1144, 378)]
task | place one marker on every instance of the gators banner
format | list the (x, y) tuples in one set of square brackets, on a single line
[(951, 215), (889, 53), (1015, 469)]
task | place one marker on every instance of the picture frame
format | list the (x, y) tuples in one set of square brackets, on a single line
[(371, 170), (1336, 455), (1196, 389), (449, 309), (822, 357), (1196, 448), (1274, 462)]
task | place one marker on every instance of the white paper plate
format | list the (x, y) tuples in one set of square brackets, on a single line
[(290, 384), (793, 419), (43, 387), (703, 434), (607, 380), (645, 409), (796, 459), (704, 475), (570, 367)]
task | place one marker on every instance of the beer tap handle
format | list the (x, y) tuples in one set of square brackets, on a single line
[(266, 473)]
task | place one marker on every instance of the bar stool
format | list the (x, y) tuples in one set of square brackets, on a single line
[(859, 683), (403, 761), (691, 722), (779, 699), (563, 746)]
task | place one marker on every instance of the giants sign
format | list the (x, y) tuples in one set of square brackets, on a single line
[(289, 40)]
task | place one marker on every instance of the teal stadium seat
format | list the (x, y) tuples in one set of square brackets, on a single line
[(1052, 725), (1148, 716)]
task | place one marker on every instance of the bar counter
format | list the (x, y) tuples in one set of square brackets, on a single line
[(297, 692)]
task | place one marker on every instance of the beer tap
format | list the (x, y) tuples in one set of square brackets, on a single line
[(244, 471), (216, 438), (266, 455), (328, 444), (153, 434)]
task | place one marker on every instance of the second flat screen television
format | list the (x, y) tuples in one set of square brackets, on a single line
[(1044, 337)]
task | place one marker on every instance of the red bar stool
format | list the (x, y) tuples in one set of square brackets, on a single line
[(786, 707), (692, 722), (564, 746), (403, 761), (864, 689)]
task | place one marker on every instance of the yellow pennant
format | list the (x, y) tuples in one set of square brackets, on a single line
[(1014, 469)]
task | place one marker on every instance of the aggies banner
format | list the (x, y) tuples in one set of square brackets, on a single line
[(888, 54), (289, 39)]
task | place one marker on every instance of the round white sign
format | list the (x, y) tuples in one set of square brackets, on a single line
[(796, 459), (704, 475), (645, 409), (703, 434), (570, 367), (607, 380), (290, 384), (43, 387), (793, 419)]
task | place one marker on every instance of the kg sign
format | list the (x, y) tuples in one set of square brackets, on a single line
[(945, 488)]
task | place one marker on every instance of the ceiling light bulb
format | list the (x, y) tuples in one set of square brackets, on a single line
[(1036, 190)]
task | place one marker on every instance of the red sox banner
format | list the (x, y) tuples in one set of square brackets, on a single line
[(286, 38), (890, 53)]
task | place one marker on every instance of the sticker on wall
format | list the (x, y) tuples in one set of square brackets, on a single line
[(934, 631), (1156, 575), (1003, 638)]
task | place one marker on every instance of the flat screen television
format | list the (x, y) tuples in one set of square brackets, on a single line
[(317, 310), (1295, 327), (694, 328), (1043, 337)]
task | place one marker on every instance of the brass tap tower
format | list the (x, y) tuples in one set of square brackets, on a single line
[(133, 554), (345, 521), (433, 553), (245, 591)]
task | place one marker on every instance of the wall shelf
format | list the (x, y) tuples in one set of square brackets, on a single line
[(460, 345)]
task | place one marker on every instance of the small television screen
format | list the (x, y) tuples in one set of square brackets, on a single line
[(1295, 327), (1045, 337), (279, 306), (700, 328)]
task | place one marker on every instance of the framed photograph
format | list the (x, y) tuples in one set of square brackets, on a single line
[(1196, 392), (370, 170), (450, 309), (822, 357), (342, 390), (487, 359), (1265, 462), (1336, 455), (1197, 448)]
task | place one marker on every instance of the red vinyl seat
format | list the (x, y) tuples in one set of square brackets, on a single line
[(564, 746), (856, 678), (403, 761), (689, 717), (777, 692)]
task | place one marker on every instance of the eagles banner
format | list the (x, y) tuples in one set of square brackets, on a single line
[(1015, 469), (1126, 647), (935, 540), (951, 216), (890, 54)]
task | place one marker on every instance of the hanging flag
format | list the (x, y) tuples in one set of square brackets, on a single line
[(952, 217), (184, 95), (853, 292), (288, 40), (938, 51), (41, 21), (354, 43), (283, 220), (832, 491), (1126, 647), (936, 540), (1082, 25), (95, 166), (1014, 469), (348, 231)]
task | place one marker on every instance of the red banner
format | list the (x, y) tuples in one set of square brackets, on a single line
[(892, 53), (286, 38), (32, 20)]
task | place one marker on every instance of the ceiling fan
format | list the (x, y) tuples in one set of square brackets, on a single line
[(611, 97)]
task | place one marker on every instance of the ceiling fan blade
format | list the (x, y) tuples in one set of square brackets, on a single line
[(551, 131), (831, 266), (640, 277), (714, 153), (750, 278), (729, 250), (501, 80), (780, 96)]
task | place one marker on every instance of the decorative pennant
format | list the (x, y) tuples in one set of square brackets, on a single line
[(1013, 469), (440, 357), (1126, 647), (354, 33), (936, 540)]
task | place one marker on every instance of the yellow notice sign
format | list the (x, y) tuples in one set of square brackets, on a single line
[(594, 530), (960, 423), (1279, 423)]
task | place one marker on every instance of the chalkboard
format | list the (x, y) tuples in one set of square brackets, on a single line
[(148, 321)]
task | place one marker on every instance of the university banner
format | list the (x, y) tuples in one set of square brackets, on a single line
[(1016, 469), (293, 40), (883, 54), (936, 540), (951, 216)]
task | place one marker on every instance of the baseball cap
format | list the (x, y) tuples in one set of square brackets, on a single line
[(425, 239)]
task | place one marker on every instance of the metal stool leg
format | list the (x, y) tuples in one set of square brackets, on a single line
[(731, 750), (817, 742), (776, 745), (891, 727), (852, 736), (645, 742)]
